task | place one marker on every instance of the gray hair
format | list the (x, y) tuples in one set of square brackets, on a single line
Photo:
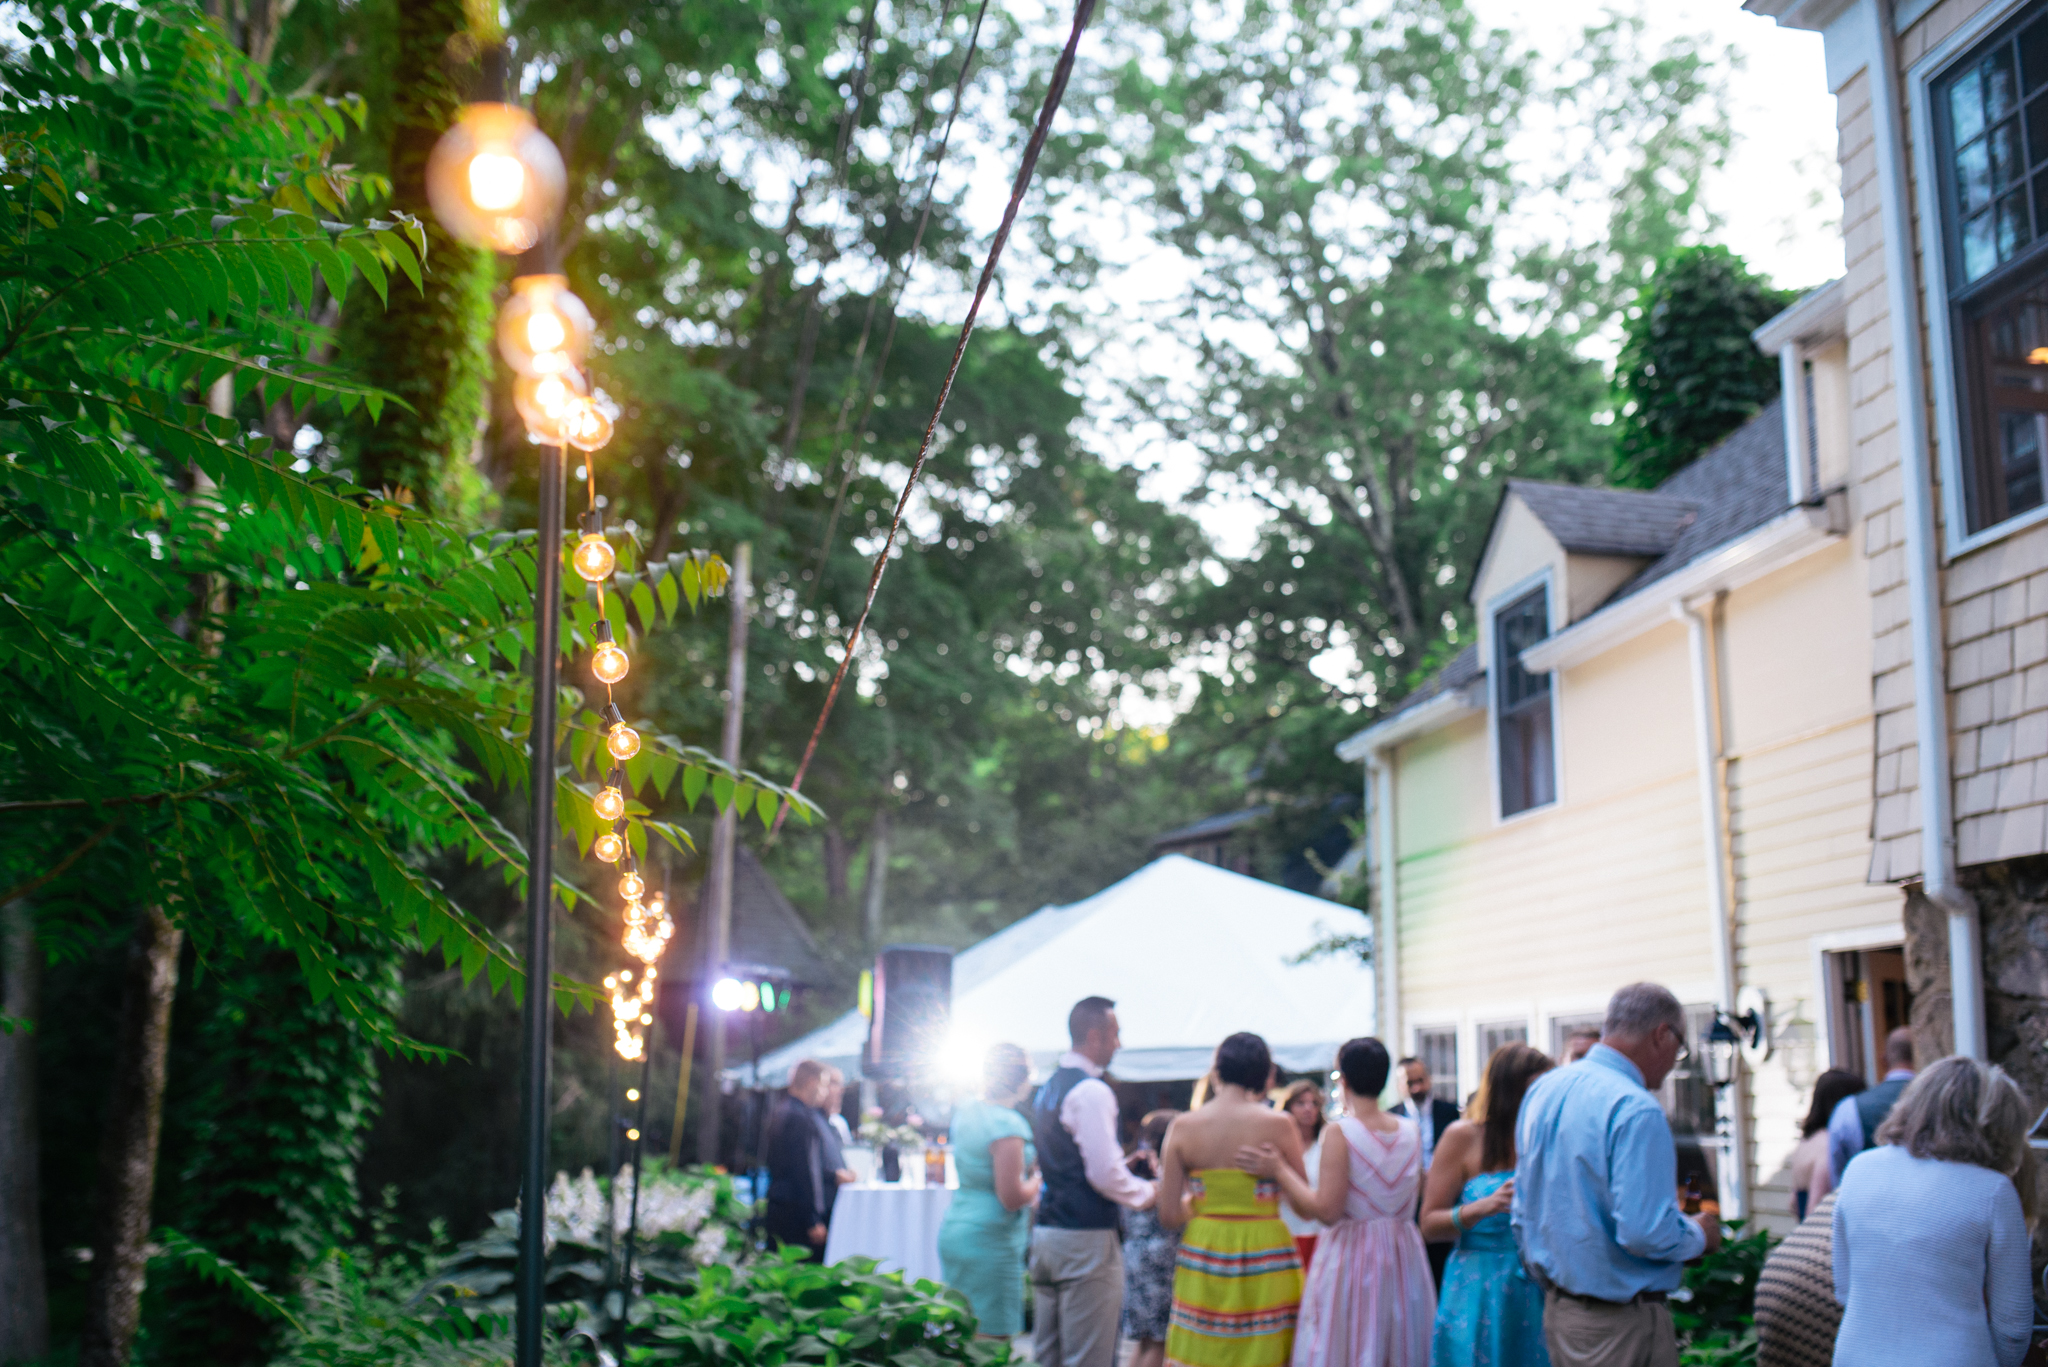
[(1964, 1111), (1637, 1010)]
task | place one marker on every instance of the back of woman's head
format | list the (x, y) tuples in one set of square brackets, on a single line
[(1364, 1064), (1830, 1090), (1508, 1075), (1964, 1111), (1243, 1060), (1005, 1069)]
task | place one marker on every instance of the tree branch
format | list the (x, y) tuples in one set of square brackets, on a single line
[(57, 870)]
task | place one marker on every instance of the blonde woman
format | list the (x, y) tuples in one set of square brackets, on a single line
[(1931, 1227)]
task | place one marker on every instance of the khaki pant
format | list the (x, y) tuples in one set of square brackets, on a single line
[(1596, 1334), (1077, 1296)]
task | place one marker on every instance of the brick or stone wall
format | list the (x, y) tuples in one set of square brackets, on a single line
[(2012, 900)]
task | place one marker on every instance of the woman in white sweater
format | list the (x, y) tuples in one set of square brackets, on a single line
[(1930, 1229)]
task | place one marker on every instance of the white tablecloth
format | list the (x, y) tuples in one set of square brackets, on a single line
[(896, 1226)]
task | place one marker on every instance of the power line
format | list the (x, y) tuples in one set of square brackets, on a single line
[(1083, 11)]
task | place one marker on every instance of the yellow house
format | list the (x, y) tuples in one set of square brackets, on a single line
[(1655, 762)]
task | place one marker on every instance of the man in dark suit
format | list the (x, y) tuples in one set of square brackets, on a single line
[(1432, 1117), (801, 1182)]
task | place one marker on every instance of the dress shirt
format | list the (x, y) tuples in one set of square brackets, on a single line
[(1089, 1114), (1596, 1183), (1423, 1113), (1845, 1128)]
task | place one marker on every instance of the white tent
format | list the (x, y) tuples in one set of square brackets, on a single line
[(1188, 951)]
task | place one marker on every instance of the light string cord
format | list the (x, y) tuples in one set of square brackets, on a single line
[(1083, 11), (894, 287)]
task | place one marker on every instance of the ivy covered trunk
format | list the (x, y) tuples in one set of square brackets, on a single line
[(430, 348), (128, 1143), (24, 1291)]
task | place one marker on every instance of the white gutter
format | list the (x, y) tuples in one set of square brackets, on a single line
[(1706, 714), (1386, 948), (1923, 568), (1790, 536), (1435, 714), (1792, 379)]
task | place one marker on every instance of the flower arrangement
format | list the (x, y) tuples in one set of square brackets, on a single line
[(875, 1132)]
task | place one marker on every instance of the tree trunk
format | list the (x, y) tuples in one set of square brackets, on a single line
[(24, 1293), (128, 1143), (838, 862), (873, 896)]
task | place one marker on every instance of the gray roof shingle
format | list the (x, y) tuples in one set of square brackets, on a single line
[(1607, 521)]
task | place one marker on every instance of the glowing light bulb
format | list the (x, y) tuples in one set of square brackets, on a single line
[(632, 885), (623, 741), (495, 180), (632, 1094), (546, 403), (634, 1135), (589, 427), (609, 847), (543, 329), (725, 994), (609, 804), (594, 558), (609, 662)]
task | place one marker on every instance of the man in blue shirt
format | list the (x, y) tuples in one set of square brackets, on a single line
[(1596, 1192), (1852, 1127)]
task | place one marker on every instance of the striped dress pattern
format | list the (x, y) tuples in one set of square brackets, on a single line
[(1370, 1300), (1237, 1283), (1796, 1311)]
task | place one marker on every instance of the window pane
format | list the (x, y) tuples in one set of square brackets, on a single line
[(2006, 166), (1973, 176), (1980, 251), (2037, 130), (1965, 110), (2020, 460), (2012, 224), (1999, 96), (2034, 55), (1522, 705)]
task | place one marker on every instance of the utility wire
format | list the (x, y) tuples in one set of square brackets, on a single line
[(898, 281), (1083, 11)]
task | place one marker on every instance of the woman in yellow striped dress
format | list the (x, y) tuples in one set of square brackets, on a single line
[(1237, 1287)]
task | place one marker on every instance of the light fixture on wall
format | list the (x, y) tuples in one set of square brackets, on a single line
[(1744, 1033)]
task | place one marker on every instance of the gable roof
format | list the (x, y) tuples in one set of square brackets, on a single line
[(766, 929), (1730, 491)]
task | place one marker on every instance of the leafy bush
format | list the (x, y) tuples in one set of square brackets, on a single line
[(1715, 1319), (791, 1311)]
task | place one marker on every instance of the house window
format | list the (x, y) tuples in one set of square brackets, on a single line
[(1437, 1047), (1562, 1028), (1528, 773), (1991, 129), (1688, 1094), (1492, 1037)]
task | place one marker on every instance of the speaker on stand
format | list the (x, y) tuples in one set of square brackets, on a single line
[(913, 1010)]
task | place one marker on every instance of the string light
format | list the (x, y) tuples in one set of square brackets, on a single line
[(547, 403), (543, 328), (593, 557), (610, 802), (608, 662), (588, 426), (611, 846), (648, 931), (622, 740), (632, 886), (495, 180)]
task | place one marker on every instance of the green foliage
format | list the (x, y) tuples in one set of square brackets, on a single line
[(792, 1311), (1715, 1322), (210, 1266), (1688, 373)]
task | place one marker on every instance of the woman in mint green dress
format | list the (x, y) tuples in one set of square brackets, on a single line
[(983, 1238), (1489, 1313)]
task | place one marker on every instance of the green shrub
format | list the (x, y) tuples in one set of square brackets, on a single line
[(1715, 1313)]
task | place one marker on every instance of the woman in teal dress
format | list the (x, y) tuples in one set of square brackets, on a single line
[(1489, 1313), (983, 1238)]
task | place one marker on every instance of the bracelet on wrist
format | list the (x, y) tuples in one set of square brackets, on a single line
[(1457, 1218)]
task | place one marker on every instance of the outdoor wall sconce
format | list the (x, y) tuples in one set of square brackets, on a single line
[(1744, 1033)]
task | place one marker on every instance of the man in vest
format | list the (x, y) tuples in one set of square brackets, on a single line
[(1853, 1126), (1077, 1266)]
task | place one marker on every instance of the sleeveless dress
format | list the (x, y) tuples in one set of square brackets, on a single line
[(1151, 1251), (1238, 1283), (1490, 1313), (981, 1245), (1370, 1300)]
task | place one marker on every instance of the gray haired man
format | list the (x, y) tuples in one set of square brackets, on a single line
[(1596, 1192)]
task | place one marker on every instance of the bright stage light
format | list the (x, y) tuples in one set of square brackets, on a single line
[(726, 994), (960, 1059)]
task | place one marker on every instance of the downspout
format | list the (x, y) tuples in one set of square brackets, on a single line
[(1792, 384), (1706, 718), (1379, 782), (1923, 566)]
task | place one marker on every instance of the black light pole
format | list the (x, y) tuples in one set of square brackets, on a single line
[(538, 1013), (633, 1222)]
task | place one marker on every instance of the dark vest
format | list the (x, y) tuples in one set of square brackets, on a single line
[(1874, 1105), (1068, 1202)]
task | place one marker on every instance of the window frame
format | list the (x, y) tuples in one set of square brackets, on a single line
[(1544, 579), (1939, 306), (1440, 1078)]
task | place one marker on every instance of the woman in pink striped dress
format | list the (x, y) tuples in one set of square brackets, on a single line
[(1369, 1301)]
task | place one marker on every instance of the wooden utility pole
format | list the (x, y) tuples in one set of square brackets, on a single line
[(716, 939), (874, 895)]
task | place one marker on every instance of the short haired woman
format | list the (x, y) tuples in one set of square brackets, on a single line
[(984, 1234), (1238, 1285), (1813, 1176), (1369, 1298), (1930, 1227), (1490, 1310), (1303, 1103)]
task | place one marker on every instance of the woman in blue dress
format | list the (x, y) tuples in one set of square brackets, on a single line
[(983, 1238), (1490, 1313)]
